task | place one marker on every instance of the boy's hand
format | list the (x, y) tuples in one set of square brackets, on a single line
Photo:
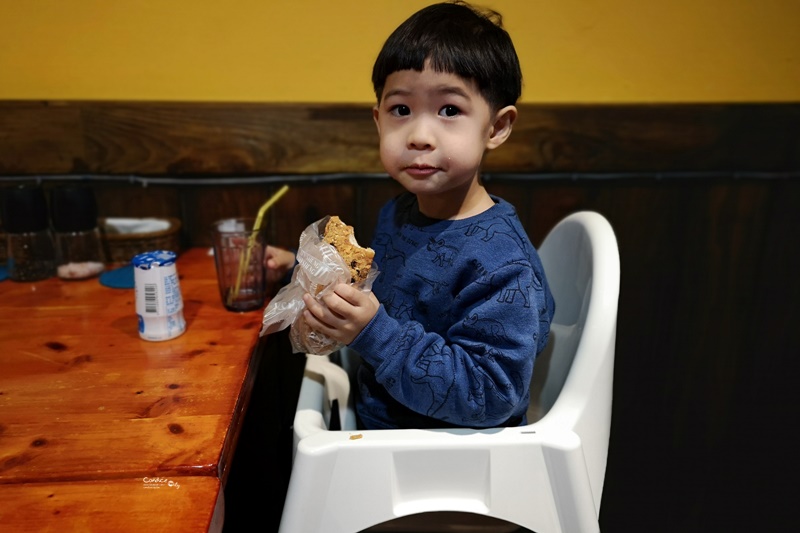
[(342, 314), (278, 262)]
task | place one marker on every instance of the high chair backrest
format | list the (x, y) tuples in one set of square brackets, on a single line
[(571, 252)]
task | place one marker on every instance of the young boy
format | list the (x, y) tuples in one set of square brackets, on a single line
[(449, 334)]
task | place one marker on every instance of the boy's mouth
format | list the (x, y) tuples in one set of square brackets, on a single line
[(421, 170)]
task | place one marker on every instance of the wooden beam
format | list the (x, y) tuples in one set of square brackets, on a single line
[(240, 139)]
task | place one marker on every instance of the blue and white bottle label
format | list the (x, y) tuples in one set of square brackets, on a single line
[(159, 304)]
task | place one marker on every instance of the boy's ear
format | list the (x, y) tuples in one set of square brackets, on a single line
[(501, 128), (375, 118)]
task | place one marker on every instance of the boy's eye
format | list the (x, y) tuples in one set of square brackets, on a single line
[(400, 110), (449, 111)]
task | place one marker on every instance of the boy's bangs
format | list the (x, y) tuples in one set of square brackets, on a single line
[(440, 59)]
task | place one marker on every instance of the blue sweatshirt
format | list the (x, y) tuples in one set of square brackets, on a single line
[(465, 309)]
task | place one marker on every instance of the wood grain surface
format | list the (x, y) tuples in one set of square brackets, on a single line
[(169, 505), (84, 401), (240, 139)]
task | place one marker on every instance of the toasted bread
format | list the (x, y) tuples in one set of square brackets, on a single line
[(358, 259)]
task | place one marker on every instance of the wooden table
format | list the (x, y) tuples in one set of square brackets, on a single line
[(101, 430)]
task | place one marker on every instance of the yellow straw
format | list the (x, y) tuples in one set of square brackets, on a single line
[(244, 259)]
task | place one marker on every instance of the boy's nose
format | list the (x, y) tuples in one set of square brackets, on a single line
[(420, 136)]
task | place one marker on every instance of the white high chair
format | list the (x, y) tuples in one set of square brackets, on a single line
[(546, 476)]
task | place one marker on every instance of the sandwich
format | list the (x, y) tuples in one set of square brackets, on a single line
[(342, 237)]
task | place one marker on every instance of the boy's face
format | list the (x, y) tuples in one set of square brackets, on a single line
[(434, 128)]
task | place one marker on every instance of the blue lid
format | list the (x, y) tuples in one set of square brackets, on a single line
[(156, 258)]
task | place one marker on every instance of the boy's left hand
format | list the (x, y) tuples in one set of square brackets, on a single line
[(342, 314)]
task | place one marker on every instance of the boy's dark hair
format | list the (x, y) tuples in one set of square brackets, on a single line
[(458, 39)]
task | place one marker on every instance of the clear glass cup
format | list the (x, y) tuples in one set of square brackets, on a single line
[(239, 259), (31, 256), (79, 254), (73, 212)]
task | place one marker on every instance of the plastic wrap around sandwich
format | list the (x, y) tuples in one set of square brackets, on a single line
[(328, 254)]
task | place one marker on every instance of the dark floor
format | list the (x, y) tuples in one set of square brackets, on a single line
[(261, 467)]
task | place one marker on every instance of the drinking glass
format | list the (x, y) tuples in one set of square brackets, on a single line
[(239, 258)]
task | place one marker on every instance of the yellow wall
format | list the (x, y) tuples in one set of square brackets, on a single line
[(572, 51)]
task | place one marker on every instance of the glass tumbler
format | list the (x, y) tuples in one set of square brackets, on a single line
[(239, 259), (73, 211), (31, 256)]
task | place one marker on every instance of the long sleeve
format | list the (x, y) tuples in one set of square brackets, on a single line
[(477, 374)]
